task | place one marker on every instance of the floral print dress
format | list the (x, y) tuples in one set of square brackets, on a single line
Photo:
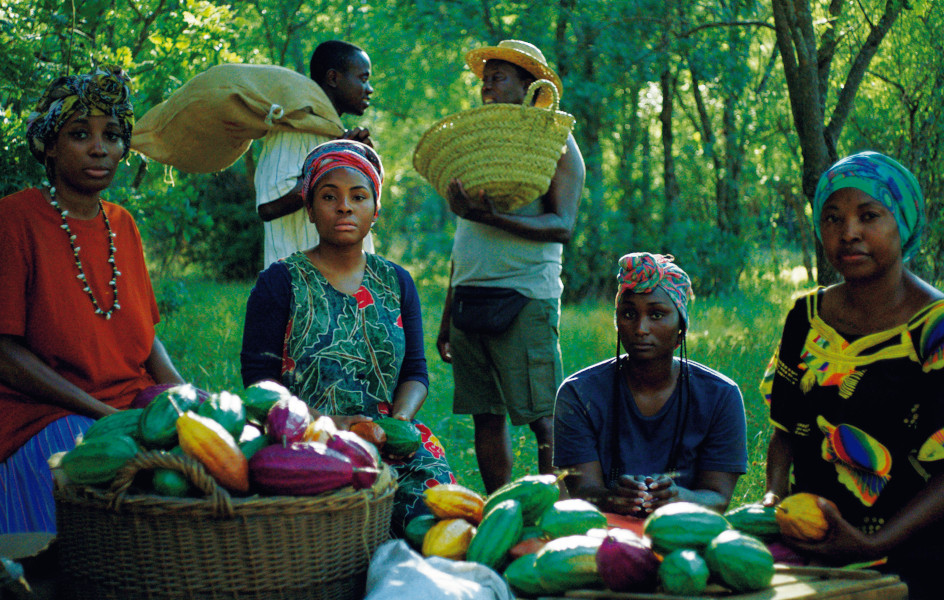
[(343, 355)]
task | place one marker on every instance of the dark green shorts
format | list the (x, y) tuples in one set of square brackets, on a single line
[(515, 372)]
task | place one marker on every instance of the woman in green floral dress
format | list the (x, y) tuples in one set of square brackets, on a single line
[(342, 328)]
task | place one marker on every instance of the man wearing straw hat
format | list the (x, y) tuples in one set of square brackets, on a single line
[(499, 327), (342, 70)]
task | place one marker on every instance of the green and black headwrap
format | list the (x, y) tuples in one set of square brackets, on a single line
[(104, 91)]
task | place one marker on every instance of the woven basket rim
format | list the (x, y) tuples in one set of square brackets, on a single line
[(489, 109), (511, 150), (120, 502), (144, 503)]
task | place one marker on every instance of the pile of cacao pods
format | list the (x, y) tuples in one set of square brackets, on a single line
[(546, 546), (264, 442)]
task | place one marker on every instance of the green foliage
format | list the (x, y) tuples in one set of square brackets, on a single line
[(169, 220), (18, 167), (716, 263), (901, 113), (171, 294), (232, 248), (732, 125)]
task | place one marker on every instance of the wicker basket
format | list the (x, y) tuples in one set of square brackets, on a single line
[(509, 151), (118, 545)]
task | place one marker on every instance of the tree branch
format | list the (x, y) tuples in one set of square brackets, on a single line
[(827, 47), (694, 30), (146, 22), (859, 67), (487, 18)]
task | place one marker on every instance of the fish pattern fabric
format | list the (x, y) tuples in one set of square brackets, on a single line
[(866, 413)]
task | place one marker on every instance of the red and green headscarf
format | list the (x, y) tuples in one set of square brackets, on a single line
[(642, 272), (336, 154), (104, 91)]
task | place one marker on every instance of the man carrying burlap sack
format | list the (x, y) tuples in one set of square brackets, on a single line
[(211, 120), (500, 320), (343, 72)]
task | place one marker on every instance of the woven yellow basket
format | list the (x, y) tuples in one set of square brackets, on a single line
[(509, 151), (119, 545)]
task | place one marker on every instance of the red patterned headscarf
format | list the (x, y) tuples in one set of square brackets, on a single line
[(343, 153), (642, 272)]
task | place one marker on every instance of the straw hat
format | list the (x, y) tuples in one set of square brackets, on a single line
[(525, 55)]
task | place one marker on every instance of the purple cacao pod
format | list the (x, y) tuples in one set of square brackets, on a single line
[(626, 563), (287, 420), (299, 469), (362, 454)]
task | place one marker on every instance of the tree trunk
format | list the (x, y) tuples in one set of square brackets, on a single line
[(807, 70), (796, 204), (667, 83)]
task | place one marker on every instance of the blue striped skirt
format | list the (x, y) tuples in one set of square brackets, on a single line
[(26, 502)]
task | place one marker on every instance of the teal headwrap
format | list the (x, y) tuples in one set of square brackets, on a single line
[(888, 182)]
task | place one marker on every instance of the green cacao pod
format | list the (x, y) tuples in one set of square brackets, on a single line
[(536, 493), (496, 534), (416, 529), (157, 427), (755, 519), (169, 482), (403, 438), (569, 563), (226, 409), (740, 561), (531, 531), (523, 577), (683, 525), (571, 517), (96, 461), (122, 422), (683, 573), (252, 440), (260, 396)]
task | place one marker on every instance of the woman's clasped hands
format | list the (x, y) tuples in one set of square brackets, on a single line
[(642, 494)]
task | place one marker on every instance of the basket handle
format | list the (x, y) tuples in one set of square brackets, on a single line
[(219, 498), (537, 86)]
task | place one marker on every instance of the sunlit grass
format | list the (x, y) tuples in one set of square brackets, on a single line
[(735, 334)]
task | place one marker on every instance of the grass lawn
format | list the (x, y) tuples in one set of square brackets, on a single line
[(734, 334)]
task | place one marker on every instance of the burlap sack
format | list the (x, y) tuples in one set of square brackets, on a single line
[(210, 121)]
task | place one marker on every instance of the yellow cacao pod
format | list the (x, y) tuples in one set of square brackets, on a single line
[(800, 517), (321, 430), (453, 501), (448, 538), (207, 441)]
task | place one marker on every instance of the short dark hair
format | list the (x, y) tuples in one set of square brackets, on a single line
[(333, 54)]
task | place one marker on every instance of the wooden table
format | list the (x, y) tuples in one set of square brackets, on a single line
[(789, 583)]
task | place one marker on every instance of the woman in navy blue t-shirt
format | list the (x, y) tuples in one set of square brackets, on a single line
[(646, 428)]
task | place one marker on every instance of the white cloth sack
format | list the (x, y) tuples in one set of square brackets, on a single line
[(397, 572)]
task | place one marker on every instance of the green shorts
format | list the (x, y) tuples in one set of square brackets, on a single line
[(515, 372)]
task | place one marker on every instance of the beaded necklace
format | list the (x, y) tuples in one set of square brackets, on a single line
[(78, 262)]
